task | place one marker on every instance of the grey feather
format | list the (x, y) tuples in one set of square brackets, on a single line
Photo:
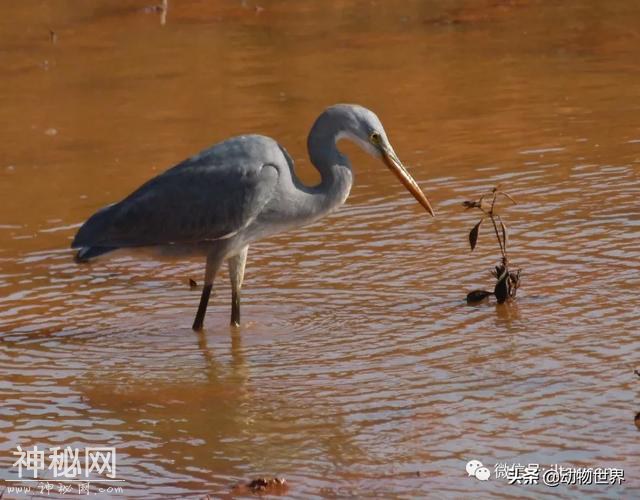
[(204, 198)]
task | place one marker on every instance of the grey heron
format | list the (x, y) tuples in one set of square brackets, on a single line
[(218, 202)]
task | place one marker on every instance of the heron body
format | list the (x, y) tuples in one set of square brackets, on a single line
[(218, 202)]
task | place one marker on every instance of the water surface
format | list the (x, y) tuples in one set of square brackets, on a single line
[(359, 369)]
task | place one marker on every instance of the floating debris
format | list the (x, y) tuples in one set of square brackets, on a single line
[(477, 296), (263, 485)]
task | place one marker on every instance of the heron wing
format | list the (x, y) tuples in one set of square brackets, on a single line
[(211, 196)]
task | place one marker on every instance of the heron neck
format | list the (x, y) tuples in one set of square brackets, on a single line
[(334, 167)]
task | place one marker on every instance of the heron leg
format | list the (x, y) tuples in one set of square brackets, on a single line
[(236, 273), (213, 263)]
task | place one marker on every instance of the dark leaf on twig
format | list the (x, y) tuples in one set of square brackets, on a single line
[(501, 290), (470, 204), (473, 234), (477, 296), (496, 272)]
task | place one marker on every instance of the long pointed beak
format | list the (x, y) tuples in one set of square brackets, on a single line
[(396, 166)]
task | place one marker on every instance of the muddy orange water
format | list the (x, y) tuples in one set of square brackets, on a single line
[(359, 369)]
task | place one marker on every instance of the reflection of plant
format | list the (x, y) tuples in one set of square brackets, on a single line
[(507, 281)]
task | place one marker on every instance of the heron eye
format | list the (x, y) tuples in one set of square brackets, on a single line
[(375, 138)]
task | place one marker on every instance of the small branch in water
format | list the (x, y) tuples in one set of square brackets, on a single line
[(163, 12), (162, 8), (507, 281)]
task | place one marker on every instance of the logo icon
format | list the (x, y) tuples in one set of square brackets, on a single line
[(479, 471)]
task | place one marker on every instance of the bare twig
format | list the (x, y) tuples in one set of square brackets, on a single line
[(163, 14)]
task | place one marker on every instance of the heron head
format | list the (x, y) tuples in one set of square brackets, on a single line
[(365, 129)]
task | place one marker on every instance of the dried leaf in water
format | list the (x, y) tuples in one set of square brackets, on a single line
[(470, 204), (507, 195), (262, 486), (477, 296), (267, 485), (501, 290), (514, 283), (193, 283), (504, 235), (473, 235)]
